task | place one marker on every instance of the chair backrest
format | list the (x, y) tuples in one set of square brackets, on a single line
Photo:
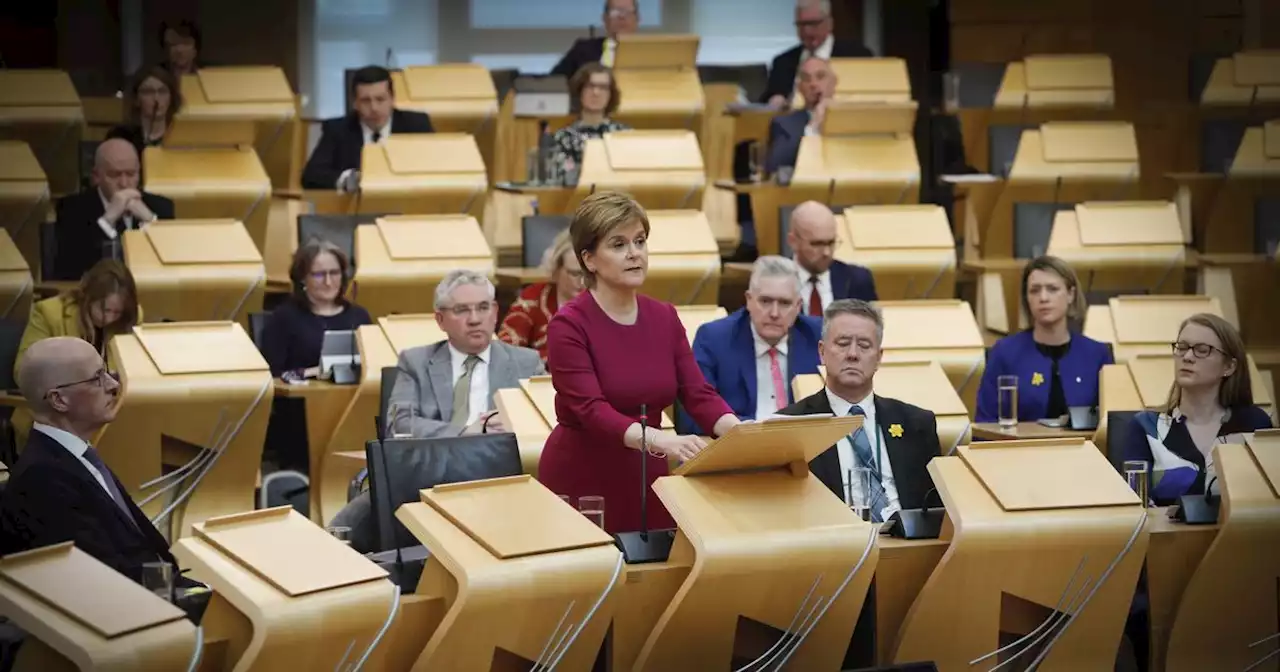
[(752, 77), (1002, 146), (979, 83), (88, 154), (400, 468), (1219, 140), (285, 488), (337, 229), (257, 322), (537, 232), (503, 81), (1266, 226), (49, 251), (1117, 429), (10, 339), (389, 374), (1032, 225)]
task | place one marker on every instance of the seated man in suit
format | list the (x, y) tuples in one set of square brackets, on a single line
[(446, 388), (812, 235), (620, 17), (813, 27), (751, 356), (335, 163), (817, 86), (896, 440), (61, 490), (98, 215)]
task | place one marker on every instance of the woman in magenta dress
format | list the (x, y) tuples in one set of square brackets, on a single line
[(609, 351)]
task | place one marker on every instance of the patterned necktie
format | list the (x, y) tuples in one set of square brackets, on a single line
[(91, 456), (462, 393), (779, 387), (815, 297), (862, 450)]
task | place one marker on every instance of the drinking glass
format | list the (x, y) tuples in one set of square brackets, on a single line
[(399, 431), (1007, 400), (951, 91), (785, 173), (533, 164), (340, 532), (1136, 472), (565, 499), (157, 577), (755, 160), (592, 506), (857, 491)]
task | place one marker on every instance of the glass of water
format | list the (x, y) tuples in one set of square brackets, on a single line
[(857, 491), (340, 532), (592, 506), (1007, 400), (951, 91), (1139, 478), (395, 428), (157, 577)]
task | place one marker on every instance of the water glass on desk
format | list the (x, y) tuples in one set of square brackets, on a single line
[(1007, 400), (157, 577), (340, 532), (592, 507), (857, 491), (393, 411), (1136, 472)]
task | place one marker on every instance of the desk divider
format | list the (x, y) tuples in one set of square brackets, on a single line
[(1264, 447)]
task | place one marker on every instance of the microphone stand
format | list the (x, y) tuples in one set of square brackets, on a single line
[(643, 547), (922, 523)]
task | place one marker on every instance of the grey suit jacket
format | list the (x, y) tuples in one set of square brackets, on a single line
[(423, 392)]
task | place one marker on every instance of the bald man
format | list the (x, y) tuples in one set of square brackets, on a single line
[(60, 490), (813, 237), (98, 215), (817, 85), (814, 29)]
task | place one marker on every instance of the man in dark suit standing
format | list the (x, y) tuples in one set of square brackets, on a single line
[(811, 233), (896, 440), (620, 17), (335, 163), (813, 27), (88, 220), (61, 490)]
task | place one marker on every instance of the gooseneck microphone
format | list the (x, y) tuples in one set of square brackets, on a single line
[(641, 546), (644, 473)]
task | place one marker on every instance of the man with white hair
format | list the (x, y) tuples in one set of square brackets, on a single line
[(814, 28), (446, 388), (751, 356)]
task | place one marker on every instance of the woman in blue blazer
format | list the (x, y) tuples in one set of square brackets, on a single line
[(1057, 368)]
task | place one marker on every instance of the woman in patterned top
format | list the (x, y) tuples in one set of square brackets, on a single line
[(526, 323), (595, 96)]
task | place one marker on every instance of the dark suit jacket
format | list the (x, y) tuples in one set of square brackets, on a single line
[(782, 74), (52, 498), (908, 454), (80, 239), (583, 51), (342, 140), (851, 281), (785, 133)]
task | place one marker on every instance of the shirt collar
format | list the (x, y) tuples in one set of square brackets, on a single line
[(840, 406), (459, 357), (824, 50), (805, 274), (762, 346), (382, 132), (74, 444)]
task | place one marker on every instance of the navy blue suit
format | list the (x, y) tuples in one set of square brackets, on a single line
[(1016, 355), (850, 281), (725, 351), (785, 133)]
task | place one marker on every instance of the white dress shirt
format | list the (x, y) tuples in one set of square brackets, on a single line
[(824, 287), (74, 445), (478, 398), (109, 228), (368, 140), (875, 435), (766, 401)]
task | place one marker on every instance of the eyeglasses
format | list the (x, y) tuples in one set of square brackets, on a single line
[(480, 309), (620, 13), (100, 379), (596, 86), (1200, 350), (321, 276)]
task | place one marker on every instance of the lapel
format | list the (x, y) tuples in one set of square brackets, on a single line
[(440, 373), (841, 278), (1034, 398), (745, 343), (798, 344), (354, 147), (499, 365), (70, 465)]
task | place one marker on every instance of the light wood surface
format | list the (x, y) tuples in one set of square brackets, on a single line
[(24, 199), (257, 94), (684, 258), (991, 431), (212, 183), (460, 98), (864, 169), (1238, 79), (425, 173), (909, 249), (659, 82), (1123, 245), (1137, 325), (16, 284), (660, 169), (402, 259), (941, 330), (42, 108)]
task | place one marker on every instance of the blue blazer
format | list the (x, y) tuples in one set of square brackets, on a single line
[(725, 351), (1016, 355), (785, 133), (850, 281)]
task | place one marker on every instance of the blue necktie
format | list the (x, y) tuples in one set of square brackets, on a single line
[(92, 457), (862, 450)]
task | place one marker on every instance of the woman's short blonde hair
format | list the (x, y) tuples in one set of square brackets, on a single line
[(1077, 307), (553, 257), (596, 218)]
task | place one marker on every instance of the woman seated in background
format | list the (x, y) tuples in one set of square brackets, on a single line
[(1057, 367), (594, 95), (104, 304), (153, 101), (294, 332), (526, 323), (1210, 402)]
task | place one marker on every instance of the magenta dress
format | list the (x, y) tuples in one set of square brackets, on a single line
[(602, 372)]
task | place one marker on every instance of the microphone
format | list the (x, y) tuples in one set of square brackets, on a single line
[(643, 546), (1199, 509), (389, 58), (922, 523)]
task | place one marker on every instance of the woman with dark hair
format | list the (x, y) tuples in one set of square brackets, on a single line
[(294, 332), (1057, 366), (594, 95), (181, 44), (104, 304), (154, 99)]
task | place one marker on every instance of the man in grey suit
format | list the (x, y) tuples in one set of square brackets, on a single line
[(446, 388)]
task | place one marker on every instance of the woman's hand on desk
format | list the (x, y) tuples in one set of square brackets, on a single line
[(682, 448)]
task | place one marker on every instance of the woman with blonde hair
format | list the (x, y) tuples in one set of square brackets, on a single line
[(1210, 402), (526, 323), (103, 305)]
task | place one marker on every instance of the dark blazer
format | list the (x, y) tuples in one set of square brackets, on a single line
[(851, 281), (782, 74), (80, 239), (725, 351), (341, 141), (52, 498), (1017, 355), (785, 133), (909, 454), (583, 51)]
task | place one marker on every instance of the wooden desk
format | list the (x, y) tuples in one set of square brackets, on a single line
[(24, 199), (42, 109), (460, 97), (212, 183), (282, 240), (16, 286), (262, 95), (991, 431), (402, 258)]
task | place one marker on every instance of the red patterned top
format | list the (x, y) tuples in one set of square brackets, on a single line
[(526, 323)]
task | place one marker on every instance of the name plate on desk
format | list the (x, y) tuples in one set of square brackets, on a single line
[(1257, 68), (209, 241), (449, 82), (199, 347), (1069, 71), (436, 237), (637, 51), (886, 227), (930, 324), (1047, 474)]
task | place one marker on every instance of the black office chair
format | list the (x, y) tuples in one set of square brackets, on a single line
[(1117, 430), (752, 77), (49, 251), (337, 229), (503, 81), (536, 234), (88, 153), (979, 83), (389, 374), (10, 338), (1032, 225), (1002, 146), (257, 322)]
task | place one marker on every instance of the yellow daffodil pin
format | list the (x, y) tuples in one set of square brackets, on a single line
[(895, 430), (1037, 379)]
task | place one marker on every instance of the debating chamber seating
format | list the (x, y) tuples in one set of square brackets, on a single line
[(1138, 141)]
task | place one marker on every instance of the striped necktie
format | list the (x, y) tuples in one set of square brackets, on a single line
[(862, 450)]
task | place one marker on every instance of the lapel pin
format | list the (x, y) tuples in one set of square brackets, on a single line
[(895, 430), (1037, 379)]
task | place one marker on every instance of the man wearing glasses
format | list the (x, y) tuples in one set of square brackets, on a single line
[(813, 27), (620, 17), (446, 388), (61, 490), (813, 237)]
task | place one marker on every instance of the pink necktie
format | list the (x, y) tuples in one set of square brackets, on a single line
[(779, 387)]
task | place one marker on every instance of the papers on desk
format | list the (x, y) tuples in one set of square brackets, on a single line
[(972, 178), (786, 418)]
